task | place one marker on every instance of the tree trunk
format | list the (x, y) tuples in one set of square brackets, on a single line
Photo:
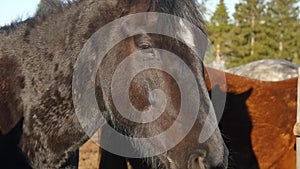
[(281, 45), (218, 57), (252, 34)]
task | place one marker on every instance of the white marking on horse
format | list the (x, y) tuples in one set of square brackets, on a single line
[(186, 34)]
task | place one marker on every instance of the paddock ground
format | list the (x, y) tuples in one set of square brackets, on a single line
[(89, 156)]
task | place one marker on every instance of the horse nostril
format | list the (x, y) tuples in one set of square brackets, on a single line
[(196, 161)]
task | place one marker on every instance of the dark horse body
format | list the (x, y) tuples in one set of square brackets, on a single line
[(36, 61)]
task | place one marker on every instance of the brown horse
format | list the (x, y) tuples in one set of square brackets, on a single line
[(257, 123), (37, 61), (262, 121)]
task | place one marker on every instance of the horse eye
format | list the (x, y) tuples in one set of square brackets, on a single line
[(147, 49), (144, 46)]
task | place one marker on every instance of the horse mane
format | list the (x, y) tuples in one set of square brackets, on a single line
[(54, 6), (174, 7)]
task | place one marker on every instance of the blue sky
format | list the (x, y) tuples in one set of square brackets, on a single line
[(11, 10), (230, 4)]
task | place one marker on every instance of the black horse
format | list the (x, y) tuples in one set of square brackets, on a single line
[(37, 59)]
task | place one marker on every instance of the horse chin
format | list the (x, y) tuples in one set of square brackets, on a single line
[(169, 163), (195, 161)]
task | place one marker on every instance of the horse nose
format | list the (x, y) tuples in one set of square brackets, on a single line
[(196, 160), (201, 160), (223, 164)]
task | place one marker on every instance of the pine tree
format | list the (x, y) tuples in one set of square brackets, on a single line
[(296, 58), (219, 30), (247, 33), (282, 27)]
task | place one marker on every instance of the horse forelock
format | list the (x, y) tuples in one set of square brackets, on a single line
[(187, 9)]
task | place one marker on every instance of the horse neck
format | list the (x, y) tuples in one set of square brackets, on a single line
[(44, 49)]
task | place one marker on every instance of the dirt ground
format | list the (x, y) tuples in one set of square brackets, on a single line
[(89, 156)]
